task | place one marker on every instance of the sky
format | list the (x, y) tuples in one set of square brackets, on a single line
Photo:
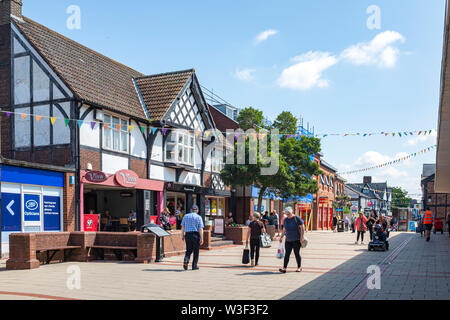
[(345, 66)]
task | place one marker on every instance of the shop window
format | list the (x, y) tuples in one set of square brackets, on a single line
[(180, 147), (114, 139)]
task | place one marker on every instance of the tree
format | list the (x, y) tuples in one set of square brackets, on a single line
[(250, 118), (295, 169), (286, 123), (400, 198)]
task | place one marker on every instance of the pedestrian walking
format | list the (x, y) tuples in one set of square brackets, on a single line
[(277, 222), (192, 231), (256, 229), (353, 222), (335, 221), (361, 227), (294, 230), (428, 223), (346, 223)]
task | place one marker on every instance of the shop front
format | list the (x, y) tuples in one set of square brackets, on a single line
[(31, 201), (123, 201), (213, 204)]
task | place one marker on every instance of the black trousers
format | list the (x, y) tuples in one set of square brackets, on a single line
[(289, 246), (192, 247), (254, 249), (362, 235), (370, 232)]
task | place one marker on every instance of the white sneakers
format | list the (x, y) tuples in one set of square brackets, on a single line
[(362, 242)]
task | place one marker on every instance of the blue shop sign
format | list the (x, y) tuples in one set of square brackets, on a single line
[(32, 176), (11, 212), (52, 213), (31, 207)]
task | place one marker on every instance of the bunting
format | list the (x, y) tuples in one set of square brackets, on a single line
[(390, 162)]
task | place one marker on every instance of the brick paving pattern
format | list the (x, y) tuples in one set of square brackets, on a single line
[(333, 268)]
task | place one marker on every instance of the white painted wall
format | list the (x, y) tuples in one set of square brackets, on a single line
[(138, 147), (157, 151), (61, 133), (112, 164), (89, 137), (161, 173)]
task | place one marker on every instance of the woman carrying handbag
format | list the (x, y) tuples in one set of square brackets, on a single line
[(256, 229), (294, 229)]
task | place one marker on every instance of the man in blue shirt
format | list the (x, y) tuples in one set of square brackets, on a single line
[(192, 230)]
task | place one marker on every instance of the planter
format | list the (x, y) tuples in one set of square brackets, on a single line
[(237, 234)]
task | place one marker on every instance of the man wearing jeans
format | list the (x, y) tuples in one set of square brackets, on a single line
[(192, 230)]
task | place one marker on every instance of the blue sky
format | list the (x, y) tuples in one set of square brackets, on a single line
[(319, 60)]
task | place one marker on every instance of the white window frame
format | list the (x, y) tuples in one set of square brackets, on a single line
[(112, 128), (185, 145)]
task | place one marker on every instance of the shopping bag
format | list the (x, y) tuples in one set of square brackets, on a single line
[(246, 256), (280, 251), (305, 242), (265, 241)]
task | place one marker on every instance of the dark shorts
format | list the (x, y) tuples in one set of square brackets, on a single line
[(428, 227)]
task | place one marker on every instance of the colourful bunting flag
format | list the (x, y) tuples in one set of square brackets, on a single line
[(130, 128), (23, 116), (53, 120), (154, 130), (66, 121), (93, 123), (8, 114), (38, 118), (80, 123), (143, 129)]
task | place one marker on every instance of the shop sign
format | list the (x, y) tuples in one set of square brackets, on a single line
[(370, 203), (218, 226), (126, 178), (95, 176), (11, 212), (52, 217), (32, 207), (91, 222), (323, 201)]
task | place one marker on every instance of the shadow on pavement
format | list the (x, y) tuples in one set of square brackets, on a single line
[(340, 281)]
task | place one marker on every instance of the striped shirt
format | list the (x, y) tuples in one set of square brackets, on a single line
[(192, 222)]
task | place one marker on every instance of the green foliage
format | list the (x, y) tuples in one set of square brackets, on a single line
[(250, 118), (400, 198), (286, 123)]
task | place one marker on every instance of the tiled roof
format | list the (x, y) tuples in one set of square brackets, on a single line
[(222, 121), (160, 91), (90, 75)]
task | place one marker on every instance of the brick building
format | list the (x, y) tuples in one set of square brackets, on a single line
[(439, 203), (102, 136)]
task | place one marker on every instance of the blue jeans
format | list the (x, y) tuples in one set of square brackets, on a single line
[(192, 247)]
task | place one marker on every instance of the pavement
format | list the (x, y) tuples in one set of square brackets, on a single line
[(334, 268)]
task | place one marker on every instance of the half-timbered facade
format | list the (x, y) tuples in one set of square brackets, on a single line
[(135, 143)]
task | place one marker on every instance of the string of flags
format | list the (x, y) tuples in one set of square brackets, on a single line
[(383, 133), (260, 135), (393, 162)]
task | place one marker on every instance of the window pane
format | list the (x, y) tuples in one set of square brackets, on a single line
[(124, 142), (124, 124), (115, 140), (115, 121), (180, 153), (107, 119), (170, 152), (192, 141), (172, 137), (180, 139), (108, 141), (191, 156), (186, 155)]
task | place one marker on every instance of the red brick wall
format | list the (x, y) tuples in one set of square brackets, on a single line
[(140, 167), (92, 157), (69, 203)]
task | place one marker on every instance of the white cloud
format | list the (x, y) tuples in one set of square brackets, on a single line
[(263, 36), (245, 74), (307, 72), (379, 51), (429, 139)]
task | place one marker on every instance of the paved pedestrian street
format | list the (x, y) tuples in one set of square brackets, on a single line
[(333, 268)]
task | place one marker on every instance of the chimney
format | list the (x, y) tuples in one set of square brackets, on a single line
[(10, 8), (367, 180)]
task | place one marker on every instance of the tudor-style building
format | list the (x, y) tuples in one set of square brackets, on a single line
[(106, 137)]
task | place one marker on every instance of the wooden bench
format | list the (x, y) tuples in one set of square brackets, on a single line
[(52, 251), (100, 249)]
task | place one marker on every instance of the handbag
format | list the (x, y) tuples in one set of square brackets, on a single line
[(305, 239), (265, 241), (246, 256)]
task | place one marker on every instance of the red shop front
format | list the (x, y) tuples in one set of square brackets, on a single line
[(121, 200), (325, 214)]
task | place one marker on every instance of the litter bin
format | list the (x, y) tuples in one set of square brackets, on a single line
[(341, 226), (160, 233)]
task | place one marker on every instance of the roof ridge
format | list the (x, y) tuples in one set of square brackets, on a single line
[(192, 70), (26, 19)]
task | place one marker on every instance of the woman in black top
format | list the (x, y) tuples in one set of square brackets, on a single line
[(371, 223), (256, 229)]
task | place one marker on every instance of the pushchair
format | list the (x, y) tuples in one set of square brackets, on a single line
[(379, 240)]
